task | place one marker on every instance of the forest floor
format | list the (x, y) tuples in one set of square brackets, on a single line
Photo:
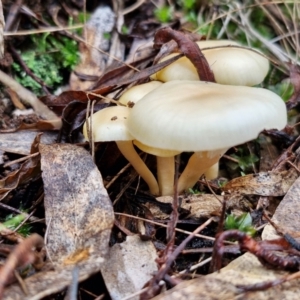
[(84, 216)]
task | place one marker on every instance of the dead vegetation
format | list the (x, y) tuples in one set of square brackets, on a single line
[(77, 221)]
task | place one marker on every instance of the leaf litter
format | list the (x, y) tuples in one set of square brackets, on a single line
[(79, 218), (246, 270), (79, 215)]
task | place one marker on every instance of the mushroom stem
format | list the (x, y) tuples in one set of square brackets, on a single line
[(127, 149), (165, 175), (198, 163), (212, 172)]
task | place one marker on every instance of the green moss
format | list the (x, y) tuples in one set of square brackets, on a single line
[(47, 57)]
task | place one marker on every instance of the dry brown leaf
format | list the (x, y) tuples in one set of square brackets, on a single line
[(115, 78), (38, 125), (79, 213), (123, 273), (28, 170), (245, 270), (264, 183), (20, 142), (197, 206), (268, 153), (79, 218), (201, 288), (287, 214), (28, 97)]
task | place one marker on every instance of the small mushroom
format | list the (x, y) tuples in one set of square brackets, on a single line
[(165, 166), (137, 92), (212, 172), (231, 65), (109, 124), (164, 158), (203, 117)]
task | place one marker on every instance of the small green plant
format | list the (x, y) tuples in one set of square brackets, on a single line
[(284, 89), (222, 182), (194, 191), (189, 12), (107, 36), (244, 160), (124, 29), (164, 14), (242, 223), (47, 58), (12, 222)]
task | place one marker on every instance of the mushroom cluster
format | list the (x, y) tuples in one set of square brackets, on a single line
[(230, 62), (205, 118), (165, 119)]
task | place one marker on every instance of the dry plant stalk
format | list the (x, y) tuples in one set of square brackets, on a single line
[(22, 255)]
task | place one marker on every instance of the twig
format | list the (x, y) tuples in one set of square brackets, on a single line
[(24, 221), (12, 14), (154, 283), (15, 210), (27, 70), (187, 47), (124, 189), (20, 159), (196, 266), (22, 255), (38, 31), (163, 225), (118, 175), (28, 97)]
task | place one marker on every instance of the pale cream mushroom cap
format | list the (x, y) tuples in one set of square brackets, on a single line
[(204, 116), (165, 158), (108, 125), (137, 92), (230, 65), (155, 151)]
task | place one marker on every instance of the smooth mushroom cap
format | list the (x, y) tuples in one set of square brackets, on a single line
[(137, 92), (203, 116), (164, 158), (109, 124), (155, 151), (230, 65)]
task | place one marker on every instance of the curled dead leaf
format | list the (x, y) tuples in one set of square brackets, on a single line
[(264, 183)]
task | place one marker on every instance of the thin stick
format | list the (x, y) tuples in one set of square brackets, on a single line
[(20, 159), (29, 98), (118, 175), (24, 221), (166, 226)]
